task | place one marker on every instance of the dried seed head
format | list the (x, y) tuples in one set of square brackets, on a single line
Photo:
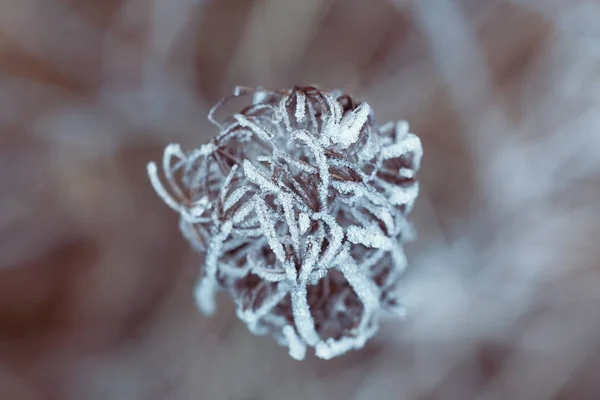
[(300, 205)]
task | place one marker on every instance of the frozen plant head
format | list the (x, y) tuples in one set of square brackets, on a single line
[(300, 205)]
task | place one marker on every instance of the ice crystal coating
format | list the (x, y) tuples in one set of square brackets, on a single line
[(300, 205)]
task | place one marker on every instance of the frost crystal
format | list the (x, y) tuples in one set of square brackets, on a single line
[(300, 205)]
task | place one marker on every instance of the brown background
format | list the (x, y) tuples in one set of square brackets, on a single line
[(96, 283)]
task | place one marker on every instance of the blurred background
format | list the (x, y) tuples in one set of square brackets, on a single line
[(96, 283)]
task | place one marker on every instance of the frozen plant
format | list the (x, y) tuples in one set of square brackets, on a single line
[(300, 205)]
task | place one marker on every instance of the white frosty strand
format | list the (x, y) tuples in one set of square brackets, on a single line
[(160, 189), (350, 166), (202, 151), (205, 291), (351, 125), (227, 182), (213, 110), (399, 258), (370, 237), (276, 297), (290, 218), (271, 275), (243, 212), (399, 195), (302, 316), (360, 190), (363, 287), (257, 177), (370, 151), (173, 151), (330, 120), (335, 108), (235, 197), (384, 214), (410, 143), (300, 106), (304, 222), (312, 253), (321, 164), (259, 131), (207, 302), (260, 97), (284, 115), (373, 259), (360, 216), (197, 209), (234, 271), (313, 118), (333, 348), (297, 348), (189, 233), (387, 127), (296, 163), (335, 238), (406, 173), (402, 128), (252, 317), (265, 216), (300, 201)]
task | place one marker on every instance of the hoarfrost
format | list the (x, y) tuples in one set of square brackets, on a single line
[(301, 200)]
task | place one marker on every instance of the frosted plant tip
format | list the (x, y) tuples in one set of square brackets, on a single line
[(300, 206)]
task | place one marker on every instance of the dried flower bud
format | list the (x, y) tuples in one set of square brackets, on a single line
[(300, 205)]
